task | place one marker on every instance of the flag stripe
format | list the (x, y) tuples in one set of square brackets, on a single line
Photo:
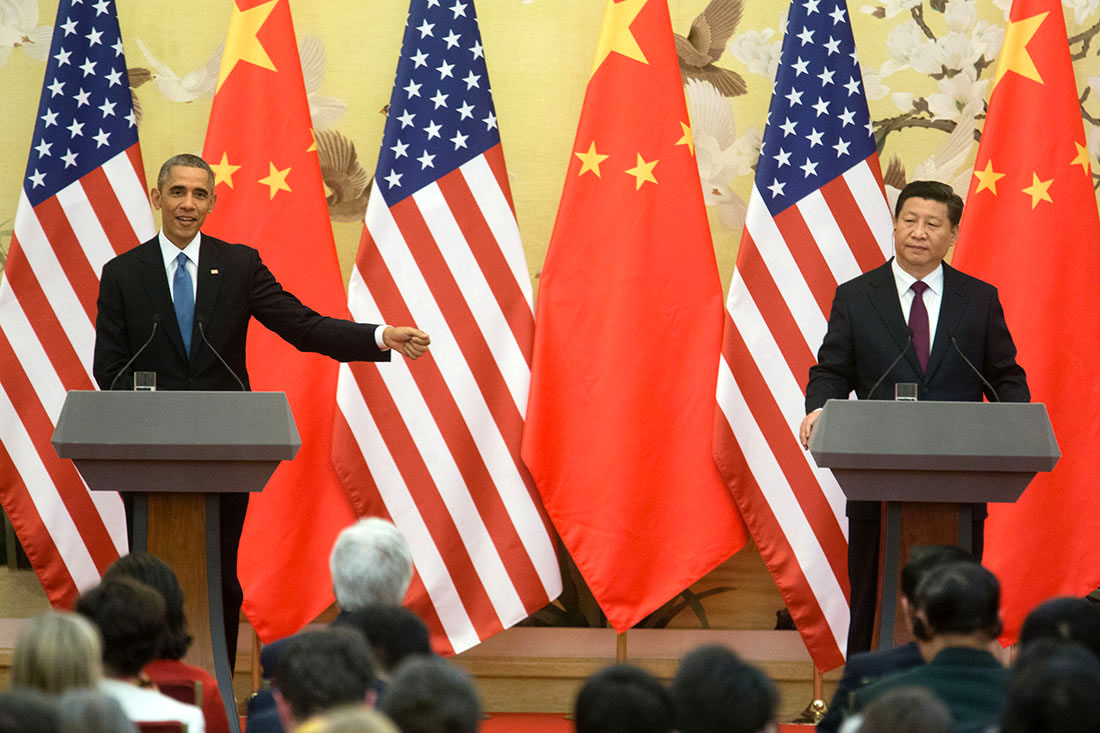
[(855, 230)]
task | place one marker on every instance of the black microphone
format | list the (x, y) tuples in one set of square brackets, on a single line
[(202, 332), (156, 322), (970, 364), (908, 343)]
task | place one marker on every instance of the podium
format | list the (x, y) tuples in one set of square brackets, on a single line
[(929, 461), (177, 452)]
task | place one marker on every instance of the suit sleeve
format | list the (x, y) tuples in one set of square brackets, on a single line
[(1000, 367), (834, 376), (304, 328), (112, 350)]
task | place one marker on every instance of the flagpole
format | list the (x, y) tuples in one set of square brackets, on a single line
[(620, 648)]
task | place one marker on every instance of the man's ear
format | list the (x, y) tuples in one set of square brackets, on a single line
[(154, 198)]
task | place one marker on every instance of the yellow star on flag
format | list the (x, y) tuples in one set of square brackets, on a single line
[(276, 179), (687, 138), (590, 160), (241, 42), (313, 141), (1082, 158), (987, 179), (1038, 190), (223, 171), (1014, 55), (616, 36), (642, 172)]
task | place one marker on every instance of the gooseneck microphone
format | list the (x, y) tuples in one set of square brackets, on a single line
[(152, 333), (894, 363), (977, 371), (202, 333)]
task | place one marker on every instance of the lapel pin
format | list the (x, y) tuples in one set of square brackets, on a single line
[(213, 272)]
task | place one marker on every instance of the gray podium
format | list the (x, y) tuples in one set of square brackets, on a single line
[(929, 461), (177, 451)]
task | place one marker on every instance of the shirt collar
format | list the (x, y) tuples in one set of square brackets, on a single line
[(903, 280), (170, 251)]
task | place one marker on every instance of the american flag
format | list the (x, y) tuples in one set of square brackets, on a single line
[(83, 201), (435, 445), (817, 217)]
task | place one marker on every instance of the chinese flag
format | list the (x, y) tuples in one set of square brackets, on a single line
[(628, 331), (1031, 229), (270, 196)]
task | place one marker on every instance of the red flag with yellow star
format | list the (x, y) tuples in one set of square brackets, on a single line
[(627, 335), (1031, 229), (271, 197)]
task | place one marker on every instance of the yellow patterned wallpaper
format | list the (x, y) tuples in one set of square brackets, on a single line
[(927, 66)]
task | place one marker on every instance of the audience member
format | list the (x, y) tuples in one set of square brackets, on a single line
[(866, 667), (906, 710), (57, 651), (957, 616), (131, 618), (1066, 619), (168, 667), (25, 710), (393, 632), (350, 720), (1055, 689), (428, 695), (320, 671), (88, 711), (715, 691), (623, 699)]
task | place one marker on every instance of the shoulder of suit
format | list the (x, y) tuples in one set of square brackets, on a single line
[(953, 277), (880, 274)]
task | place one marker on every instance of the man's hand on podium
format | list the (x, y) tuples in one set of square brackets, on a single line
[(408, 341), (807, 428)]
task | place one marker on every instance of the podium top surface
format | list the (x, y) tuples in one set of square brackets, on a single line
[(934, 436), (199, 426)]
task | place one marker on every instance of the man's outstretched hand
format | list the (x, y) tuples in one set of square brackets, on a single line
[(406, 340)]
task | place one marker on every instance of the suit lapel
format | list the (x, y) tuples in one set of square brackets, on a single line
[(211, 265), (155, 278), (884, 297), (956, 294)]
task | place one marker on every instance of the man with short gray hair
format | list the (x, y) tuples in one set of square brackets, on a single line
[(371, 565)]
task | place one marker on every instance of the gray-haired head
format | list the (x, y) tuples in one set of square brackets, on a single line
[(371, 565), (184, 160)]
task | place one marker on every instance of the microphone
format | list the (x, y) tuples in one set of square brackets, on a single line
[(202, 332), (970, 364), (152, 333), (908, 343)]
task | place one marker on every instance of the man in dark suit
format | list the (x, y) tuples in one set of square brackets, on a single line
[(181, 302), (930, 313)]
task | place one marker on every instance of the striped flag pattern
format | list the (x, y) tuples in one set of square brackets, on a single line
[(434, 446), (817, 217), (83, 201)]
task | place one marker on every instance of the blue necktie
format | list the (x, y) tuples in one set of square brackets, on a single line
[(183, 296), (918, 321)]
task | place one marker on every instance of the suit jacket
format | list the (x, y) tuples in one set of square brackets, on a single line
[(234, 286), (861, 670)]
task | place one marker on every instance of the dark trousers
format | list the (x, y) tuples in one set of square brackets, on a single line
[(864, 537)]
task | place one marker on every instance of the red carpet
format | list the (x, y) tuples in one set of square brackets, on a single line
[(537, 723)]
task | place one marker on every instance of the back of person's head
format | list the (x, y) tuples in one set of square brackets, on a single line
[(1055, 689), (924, 558), (932, 191), (350, 720), (1067, 619), (88, 711), (23, 710), (906, 710), (131, 618), (428, 695), (623, 699), (393, 632), (371, 565), (57, 651), (323, 670), (958, 598), (159, 576), (715, 690)]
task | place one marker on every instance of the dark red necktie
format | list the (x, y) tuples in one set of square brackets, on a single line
[(918, 321)]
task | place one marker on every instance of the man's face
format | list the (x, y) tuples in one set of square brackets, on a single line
[(922, 235), (184, 201)]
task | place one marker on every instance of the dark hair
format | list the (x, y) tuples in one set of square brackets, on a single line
[(131, 617), (24, 710), (1054, 689), (184, 160), (933, 191), (623, 699), (157, 574), (1065, 619), (715, 691), (924, 558), (958, 598), (906, 710), (324, 669), (393, 633), (428, 695)]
